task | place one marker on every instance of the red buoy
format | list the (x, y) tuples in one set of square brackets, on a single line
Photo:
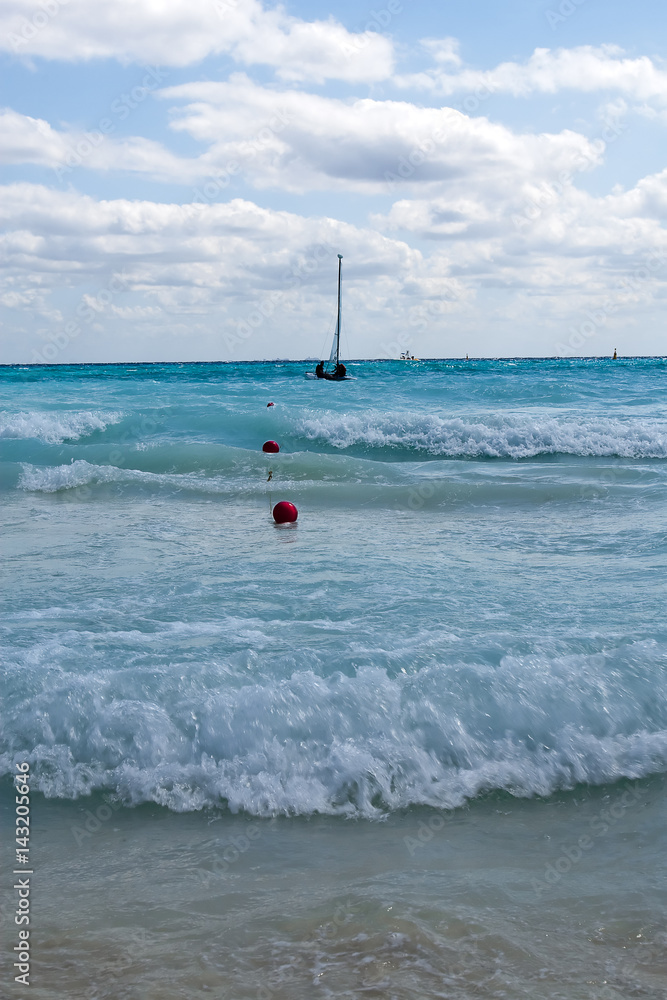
[(284, 512), (270, 404), (271, 446)]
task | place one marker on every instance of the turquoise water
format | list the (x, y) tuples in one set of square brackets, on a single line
[(466, 627)]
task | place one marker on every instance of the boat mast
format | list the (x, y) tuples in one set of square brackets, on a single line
[(340, 261)]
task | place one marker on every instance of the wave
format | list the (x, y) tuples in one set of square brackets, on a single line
[(211, 468), (80, 473), (397, 436), (356, 746), (489, 436), (319, 481), (55, 428)]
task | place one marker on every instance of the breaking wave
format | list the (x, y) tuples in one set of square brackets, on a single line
[(491, 435), (54, 428), (359, 745)]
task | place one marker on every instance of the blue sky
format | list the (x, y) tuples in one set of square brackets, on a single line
[(178, 178)]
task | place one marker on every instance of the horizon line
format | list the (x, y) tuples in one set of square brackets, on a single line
[(356, 361)]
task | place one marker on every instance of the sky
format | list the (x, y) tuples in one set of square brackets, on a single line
[(177, 178)]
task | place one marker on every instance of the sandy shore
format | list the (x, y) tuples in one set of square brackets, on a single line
[(508, 898)]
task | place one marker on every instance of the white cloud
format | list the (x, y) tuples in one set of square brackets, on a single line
[(540, 219), (195, 272), (28, 140), (226, 280), (444, 50), (32, 140), (585, 68), (210, 245), (300, 141), (180, 33)]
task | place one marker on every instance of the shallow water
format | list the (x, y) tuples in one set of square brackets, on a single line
[(494, 900)]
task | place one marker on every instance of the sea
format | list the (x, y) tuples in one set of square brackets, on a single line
[(413, 745)]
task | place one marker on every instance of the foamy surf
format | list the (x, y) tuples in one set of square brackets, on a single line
[(55, 427), (357, 746), (80, 473), (490, 435)]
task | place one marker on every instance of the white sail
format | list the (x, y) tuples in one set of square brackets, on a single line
[(334, 357), (338, 371)]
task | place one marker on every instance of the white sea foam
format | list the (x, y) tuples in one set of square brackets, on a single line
[(52, 479), (341, 745), (55, 427), (67, 477), (490, 435)]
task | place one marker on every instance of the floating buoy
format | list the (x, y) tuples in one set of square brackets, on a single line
[(270, 404), (271, 446), (284, 512)]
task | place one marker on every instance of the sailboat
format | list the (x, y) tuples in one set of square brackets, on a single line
[(333, 370)]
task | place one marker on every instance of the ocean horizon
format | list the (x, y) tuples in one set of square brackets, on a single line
[(268, 361)]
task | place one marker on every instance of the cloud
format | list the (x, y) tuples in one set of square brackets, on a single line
[(28, 140), (585, 68), (540, 218), (32, 140), (208, 272), (47, 228), (445, 51), (299, 141), (181, 33), (152, 280)]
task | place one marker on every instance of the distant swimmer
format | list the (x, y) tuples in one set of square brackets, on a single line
[(615, 357)]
